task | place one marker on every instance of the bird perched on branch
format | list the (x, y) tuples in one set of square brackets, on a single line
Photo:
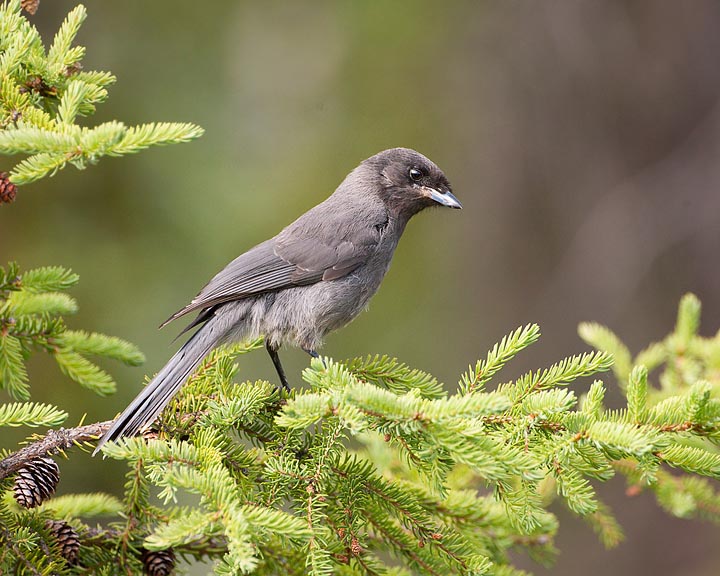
[(312, 278)]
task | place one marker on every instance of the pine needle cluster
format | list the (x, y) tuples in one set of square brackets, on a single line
[(374, 467), (33, 307), (44, 92), (681, 404)]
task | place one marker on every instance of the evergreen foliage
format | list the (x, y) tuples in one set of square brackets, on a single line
[(376, 468), (682, 406), (32, 310), (42, 94)]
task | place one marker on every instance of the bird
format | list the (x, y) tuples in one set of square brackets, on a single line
[(314, 277)]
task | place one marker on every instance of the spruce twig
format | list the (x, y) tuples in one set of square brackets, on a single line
[(42, 94), (52, 442)]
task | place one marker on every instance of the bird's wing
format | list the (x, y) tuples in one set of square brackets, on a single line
[(296, 257)]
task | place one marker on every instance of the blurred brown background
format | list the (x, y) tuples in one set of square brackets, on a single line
[(581, 137)]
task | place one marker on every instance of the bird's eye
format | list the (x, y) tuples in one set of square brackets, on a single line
[(415, 174)]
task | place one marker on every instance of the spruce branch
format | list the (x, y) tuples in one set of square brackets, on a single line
[(30, 414), (107, 538), (33, 305), (373, 459), (52, 442), (475, 378), (42, 93)]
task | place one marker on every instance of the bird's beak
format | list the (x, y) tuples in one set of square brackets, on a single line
[(442, 198)]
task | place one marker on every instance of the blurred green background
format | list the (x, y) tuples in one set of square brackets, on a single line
[(581, 137)]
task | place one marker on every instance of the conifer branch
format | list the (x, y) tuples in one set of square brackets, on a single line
[(393, 494), (33, 306), (42, 94), (201, 548), (281, 489), (53, 442)]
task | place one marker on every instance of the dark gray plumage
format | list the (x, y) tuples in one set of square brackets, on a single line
[(312, 278)]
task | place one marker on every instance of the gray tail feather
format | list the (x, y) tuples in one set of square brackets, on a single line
[(160, 390)]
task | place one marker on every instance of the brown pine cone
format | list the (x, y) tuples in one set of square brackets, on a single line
[(36, 482), (7, 189), (30, 6), (159, 562), (67, 539)]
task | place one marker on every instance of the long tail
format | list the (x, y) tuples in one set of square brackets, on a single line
[(160, 390)]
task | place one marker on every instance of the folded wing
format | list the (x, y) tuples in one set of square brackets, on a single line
[(292, 258)]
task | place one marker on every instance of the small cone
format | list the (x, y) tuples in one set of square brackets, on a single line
[(67, 539), (30, 6), (159, 562), (7, 189), (36, 482)]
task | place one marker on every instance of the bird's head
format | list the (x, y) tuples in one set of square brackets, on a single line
[(410, 182)]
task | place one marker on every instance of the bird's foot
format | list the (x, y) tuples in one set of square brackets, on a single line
[(315, 355)]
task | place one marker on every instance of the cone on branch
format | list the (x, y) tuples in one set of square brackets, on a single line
[(67, 539), (30, 6), (7, 189), (158, 562), (38, 85), (36, 482)]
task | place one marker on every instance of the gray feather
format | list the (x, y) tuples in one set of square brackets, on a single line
[(303, 253), (160, 390)]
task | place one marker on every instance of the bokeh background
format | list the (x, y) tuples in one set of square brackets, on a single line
[(583, 139)]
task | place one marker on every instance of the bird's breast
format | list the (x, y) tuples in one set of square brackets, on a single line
[(303, 315)]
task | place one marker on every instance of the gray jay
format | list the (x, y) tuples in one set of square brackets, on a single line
[(312, 278)]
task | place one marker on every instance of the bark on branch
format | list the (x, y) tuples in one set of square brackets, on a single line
[(52, 442)]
